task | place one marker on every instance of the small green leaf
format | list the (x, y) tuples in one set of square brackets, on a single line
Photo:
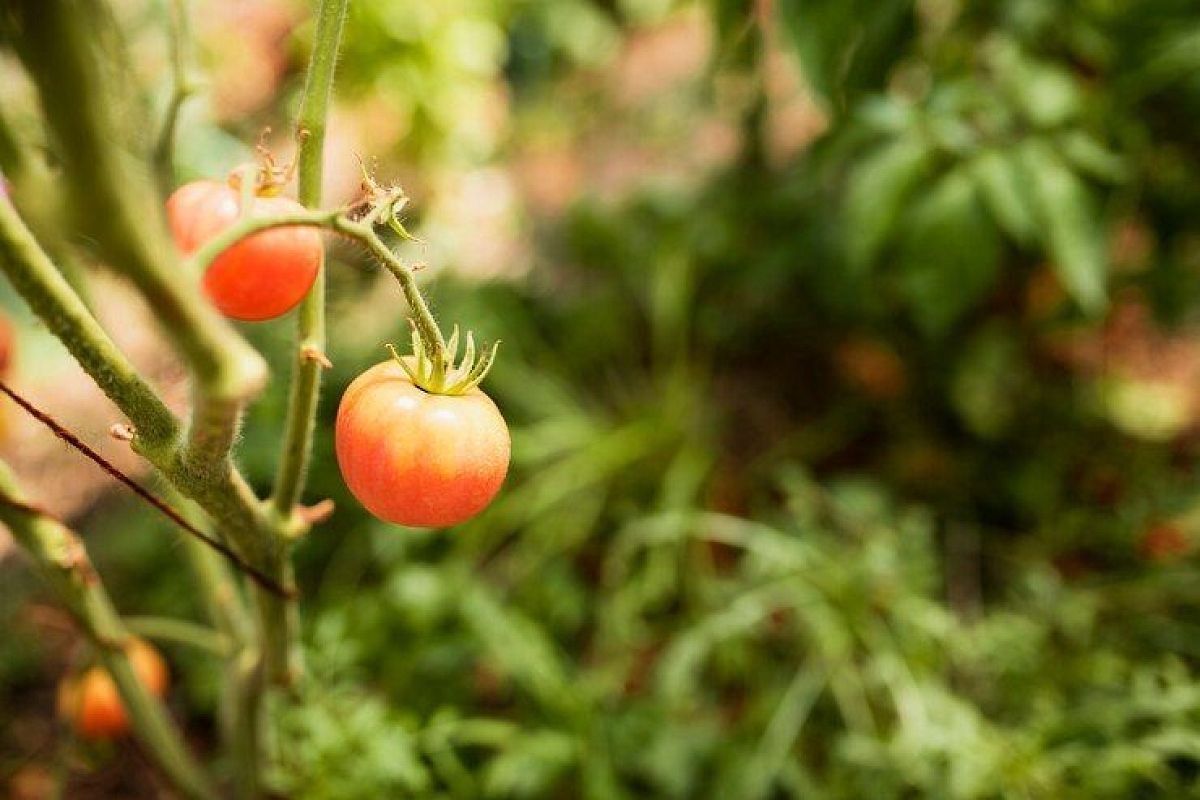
[(1069, 223), (950, 254), (1047, 94), (848, 47), (879, 187), (1000, 182), (521, 647), (1088, 155), (530, 765)]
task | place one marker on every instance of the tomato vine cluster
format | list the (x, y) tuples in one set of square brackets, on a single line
[(418, 443)]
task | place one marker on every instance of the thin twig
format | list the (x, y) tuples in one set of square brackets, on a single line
[(181, 90), (74, 441), (339, 221)]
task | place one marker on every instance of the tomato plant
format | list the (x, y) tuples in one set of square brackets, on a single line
[(257, 255), (416, 457), (260, 277), (91, 703)]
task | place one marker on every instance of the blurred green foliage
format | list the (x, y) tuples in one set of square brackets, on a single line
[(865, 471)]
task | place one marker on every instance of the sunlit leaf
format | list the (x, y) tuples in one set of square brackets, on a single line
[(878, 190), (847, 48), (1070, 224), (1001, 184)]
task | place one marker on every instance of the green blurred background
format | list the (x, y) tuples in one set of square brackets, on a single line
[(851, 352)]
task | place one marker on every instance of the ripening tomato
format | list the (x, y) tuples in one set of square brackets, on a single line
[(263, 275), (416, 458), (92, 703)]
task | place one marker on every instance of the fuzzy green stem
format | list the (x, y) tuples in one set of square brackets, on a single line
[(204, 256), (180, 631), (35, 278), (338, 222), (181, 89), (60, 557), (116, 207), (244, 720), (201, 474), (214, 579), (427, 327), (240, 713), (113, 201), (310, 323), (31, 187)]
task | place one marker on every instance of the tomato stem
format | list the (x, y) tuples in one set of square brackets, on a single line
[(182, 88), (180, 631), (363, 231), (60, 556)]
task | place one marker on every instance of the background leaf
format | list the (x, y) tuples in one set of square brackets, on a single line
[(1072, 230), (949, 256)]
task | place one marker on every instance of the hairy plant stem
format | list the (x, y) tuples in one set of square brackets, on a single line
[(219, 490), (60, 557), (310, 324), (158, 439), (116, 209), (35, 278), (362, 231), (31, 188), (115, 205), (241, 707), (112, 199), (182, 88), (180, 631)]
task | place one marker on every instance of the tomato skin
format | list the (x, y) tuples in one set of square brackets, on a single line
[(419, 459), (260, 277), (92, 703)]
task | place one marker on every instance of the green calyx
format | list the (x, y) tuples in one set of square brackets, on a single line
[(437, 373)]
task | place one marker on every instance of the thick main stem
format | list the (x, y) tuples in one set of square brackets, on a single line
[(112, 198), (221, 492), (60, 556), (118, 210), (54, 301), (241, 698)]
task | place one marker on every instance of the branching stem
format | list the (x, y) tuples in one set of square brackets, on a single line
[(79, 445), (338, 221), (62, 560)]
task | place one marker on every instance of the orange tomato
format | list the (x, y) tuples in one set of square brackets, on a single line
[(262, 276), (92, 703), (415, 458)]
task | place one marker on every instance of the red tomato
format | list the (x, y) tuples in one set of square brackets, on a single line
[(263, 275), (92, 703), (415, 458)]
